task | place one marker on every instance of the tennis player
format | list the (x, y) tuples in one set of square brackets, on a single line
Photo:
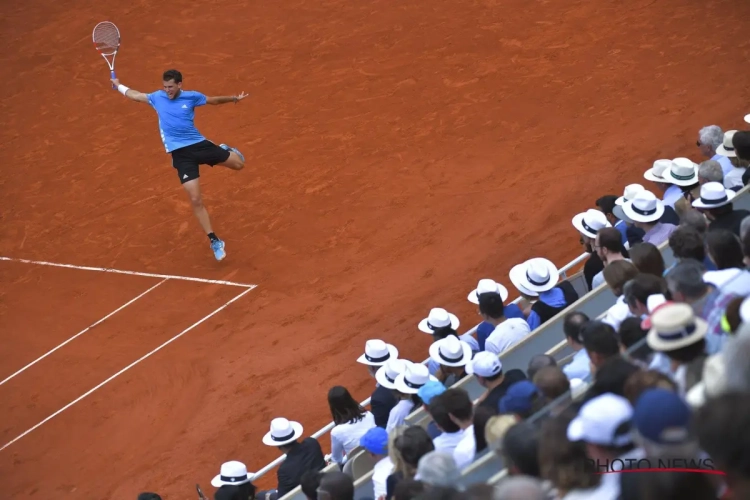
[(189, 149)]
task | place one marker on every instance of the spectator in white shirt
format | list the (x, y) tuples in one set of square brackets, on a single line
[(616, 275), (452, 432), (732, 178), (600, 342), (608, 245), (351, 422), (386, 377), (725, 251), (407, 385), (710, 139), (461, 412), (580, 366), (375, 443)]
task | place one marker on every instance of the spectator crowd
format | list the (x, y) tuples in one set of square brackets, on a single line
[(661, 377)]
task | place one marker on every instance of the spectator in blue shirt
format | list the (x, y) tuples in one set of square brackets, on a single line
[(490, 298), (539, 277)]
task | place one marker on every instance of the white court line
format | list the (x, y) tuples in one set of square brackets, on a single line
[(71, 339), (131, 365), (132, 273)]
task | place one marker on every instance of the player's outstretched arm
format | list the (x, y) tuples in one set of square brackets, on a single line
[(131, 94), (225, 99)]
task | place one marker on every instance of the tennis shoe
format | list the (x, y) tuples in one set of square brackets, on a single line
[(218, 248), (233, 150)]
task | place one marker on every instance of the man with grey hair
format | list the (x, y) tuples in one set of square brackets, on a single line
[(520, 488), (686, 284), (709, 139), (694, 219), (710, 171), (438, 469)]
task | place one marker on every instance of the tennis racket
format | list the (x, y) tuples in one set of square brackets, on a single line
[(201, 496), (106, 38)]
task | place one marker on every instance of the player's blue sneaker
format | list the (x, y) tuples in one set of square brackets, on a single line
[(234, 150), (218, 247)]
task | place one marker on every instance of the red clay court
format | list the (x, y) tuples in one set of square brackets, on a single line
[(396, 153)]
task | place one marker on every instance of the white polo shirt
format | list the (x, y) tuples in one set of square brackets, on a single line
[(465, 450), (447, 441), (506, 335)]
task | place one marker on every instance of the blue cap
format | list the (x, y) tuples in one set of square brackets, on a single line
[(375, 441), (519, 397), (430, 390), (662, 416)]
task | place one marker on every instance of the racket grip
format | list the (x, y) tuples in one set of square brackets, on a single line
[(112, 75)]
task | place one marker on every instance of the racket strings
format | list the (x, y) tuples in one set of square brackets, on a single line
[(106, 38)]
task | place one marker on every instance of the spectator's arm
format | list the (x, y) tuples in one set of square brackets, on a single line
[(337, 449)]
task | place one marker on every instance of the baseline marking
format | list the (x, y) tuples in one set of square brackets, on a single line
[(132, 273), (131, 365), (71, 339)]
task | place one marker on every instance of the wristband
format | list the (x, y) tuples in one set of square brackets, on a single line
[(122, 89)]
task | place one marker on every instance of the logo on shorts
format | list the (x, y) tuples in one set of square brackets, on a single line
[(184, 176)]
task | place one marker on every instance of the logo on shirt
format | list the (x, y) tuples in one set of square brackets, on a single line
[(184, 106)]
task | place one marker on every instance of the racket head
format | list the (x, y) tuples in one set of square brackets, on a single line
[(106, 38)]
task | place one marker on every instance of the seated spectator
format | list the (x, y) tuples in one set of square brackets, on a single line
[(375, 443), (745, 240), (611, 377), (452, 433), (523, 399), (732, 178), (658, 174), (645, 210), (610, 249), (638, 290), (309, 484), (687, 243), (451, 355), (642, 380), (713, 382), (350, 420), (495, 311), (336, 486), (438, 469), (735, 356), (482, 416), (678, 333), (382, 400), (711, 171), (540, 276), (408, 489), (723, 430), (488, 370), (695, 220), (684, 174), (662, 425), (386, 377), (520, 450), (716, 204), (461, 412), (426, 393), (630, 334), (687, 285), (711, 139), (633, 235), (648, 259), (562, 463), (741, 145), (496, 428), (616, 275), (588, 224), (506, 332), (440, 324), (552, 383), (520, 488), (539, 361), (301, 456), (600, 342), (725, 251), (407, 385), (607, 206), (580, 366), (408, 447), (667, 485)]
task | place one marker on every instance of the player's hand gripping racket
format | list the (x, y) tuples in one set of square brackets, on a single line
[(107, 41)]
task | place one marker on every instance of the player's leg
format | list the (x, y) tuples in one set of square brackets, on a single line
[(235, 160), (193, 190)]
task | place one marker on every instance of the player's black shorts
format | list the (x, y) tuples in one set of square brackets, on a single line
[(186, 160)]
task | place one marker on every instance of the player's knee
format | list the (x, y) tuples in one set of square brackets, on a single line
[(196, 201)]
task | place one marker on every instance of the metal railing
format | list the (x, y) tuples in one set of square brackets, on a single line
[(321, 432)]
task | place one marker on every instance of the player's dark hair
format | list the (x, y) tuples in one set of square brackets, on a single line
[(172, 74)]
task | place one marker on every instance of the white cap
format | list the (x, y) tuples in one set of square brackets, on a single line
[(599, 421), (484, 364)]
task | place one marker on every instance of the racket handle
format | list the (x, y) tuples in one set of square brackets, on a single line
[(112, 75)]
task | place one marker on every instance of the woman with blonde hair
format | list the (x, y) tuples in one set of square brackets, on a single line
[(405, 447)]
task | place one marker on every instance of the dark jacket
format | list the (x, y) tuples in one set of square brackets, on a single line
[(304, 456), (730, 221), (591, 268), (382, 402), (546, 311)]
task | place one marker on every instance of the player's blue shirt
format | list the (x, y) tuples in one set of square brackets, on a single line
[(176, 118)]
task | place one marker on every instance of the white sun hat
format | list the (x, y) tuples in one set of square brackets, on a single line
[(682, 172), (438, 318), (387, 374), (727, 149), (377, 352), (450, 352), (232, 473), (415, 376), (629, 192), (488, 286), (747, 118), (535, 275), (713, 195), (282, 432), (590, 222), (658, 172), (674, 326), (644, 207)]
